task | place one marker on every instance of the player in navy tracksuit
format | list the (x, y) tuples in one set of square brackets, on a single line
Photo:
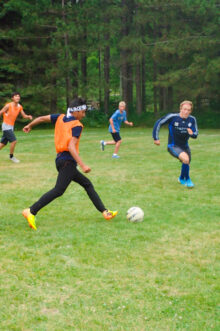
[(181, 126)]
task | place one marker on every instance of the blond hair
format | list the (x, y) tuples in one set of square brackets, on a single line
[(189, 103), (122, 103)]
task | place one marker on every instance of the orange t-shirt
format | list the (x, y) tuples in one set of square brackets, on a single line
[(63, 134), (9, 117)]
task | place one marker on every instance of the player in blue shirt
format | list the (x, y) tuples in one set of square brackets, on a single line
[(181, 126), (116, 120)]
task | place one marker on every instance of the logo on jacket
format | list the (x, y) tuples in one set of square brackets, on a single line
[(176, 124), (189, 124)]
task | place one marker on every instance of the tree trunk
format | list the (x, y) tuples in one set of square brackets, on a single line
[(66, 48), (143, 82), (126, 67), (138, 89), (75, 84), (155, 88), (106, 77), (100, 78), (84, 63), (170, 98)]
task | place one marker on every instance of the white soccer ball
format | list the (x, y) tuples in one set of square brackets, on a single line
[(135, 214)]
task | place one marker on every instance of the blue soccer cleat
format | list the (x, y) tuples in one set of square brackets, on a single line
[(115, 156), (189, 183), (182, 181)]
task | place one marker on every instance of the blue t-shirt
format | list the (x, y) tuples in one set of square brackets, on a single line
[(76, 131), (118, 118), (178, 134)]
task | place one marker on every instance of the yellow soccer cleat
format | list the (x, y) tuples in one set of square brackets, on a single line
[(108, 214), (30, 218)]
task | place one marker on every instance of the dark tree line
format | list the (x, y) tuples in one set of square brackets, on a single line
[(150, 53)]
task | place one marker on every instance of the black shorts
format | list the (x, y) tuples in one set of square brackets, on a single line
[(116, 136), (8, 136), (176, 150)]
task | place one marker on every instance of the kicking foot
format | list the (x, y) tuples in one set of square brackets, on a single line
[(115, 156), (30, 218), (108, 214), (13, 159)]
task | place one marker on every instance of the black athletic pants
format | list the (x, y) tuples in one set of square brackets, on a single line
[(67, 173)]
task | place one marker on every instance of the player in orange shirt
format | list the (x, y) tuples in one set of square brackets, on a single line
[(68, 129), (10, 112)]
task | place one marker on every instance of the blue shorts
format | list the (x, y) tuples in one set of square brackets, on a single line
[(116, 136), (176, 150), (8, 136)]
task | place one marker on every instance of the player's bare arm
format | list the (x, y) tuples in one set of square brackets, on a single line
[(4, 109), (190, 131), (157, 142), (75, 155), (129, 123), (29, 117), (36, 121)]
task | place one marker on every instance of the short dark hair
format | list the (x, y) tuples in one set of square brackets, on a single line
[(15, 93), (77, 102)]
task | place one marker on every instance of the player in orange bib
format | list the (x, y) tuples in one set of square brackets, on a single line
[(10, 112), (68, 129)]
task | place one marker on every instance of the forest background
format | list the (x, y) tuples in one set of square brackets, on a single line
[(151, 53)]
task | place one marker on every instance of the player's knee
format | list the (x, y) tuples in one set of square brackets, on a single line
[(59, 191), (119, 142), (185, 160)]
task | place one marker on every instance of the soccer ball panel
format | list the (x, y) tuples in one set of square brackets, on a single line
[(135, 214)]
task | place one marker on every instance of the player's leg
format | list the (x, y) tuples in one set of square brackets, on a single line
[(117, 146), (180, 154), (118, 141), (9, 134), (82, 180), (63, 180), (103, 143), (4, 141), (2, 145), (186, 167)]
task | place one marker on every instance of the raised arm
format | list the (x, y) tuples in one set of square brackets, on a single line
[(36, 121)]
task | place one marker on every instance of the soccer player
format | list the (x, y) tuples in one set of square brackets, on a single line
[(68, 129), (10, 112), (182, 126), (116, 120)]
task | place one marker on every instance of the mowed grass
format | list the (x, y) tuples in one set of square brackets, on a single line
[(80, 272)]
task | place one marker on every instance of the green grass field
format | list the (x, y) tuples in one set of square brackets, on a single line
[(80, 272)]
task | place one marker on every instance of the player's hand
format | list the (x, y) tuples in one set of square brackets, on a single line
[(113, 130), (190, 131), (157, 142), (86, 169), (30, 117), (26, 129), (131, 124)]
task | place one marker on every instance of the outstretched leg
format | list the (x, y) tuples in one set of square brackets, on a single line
[(63, 180)]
